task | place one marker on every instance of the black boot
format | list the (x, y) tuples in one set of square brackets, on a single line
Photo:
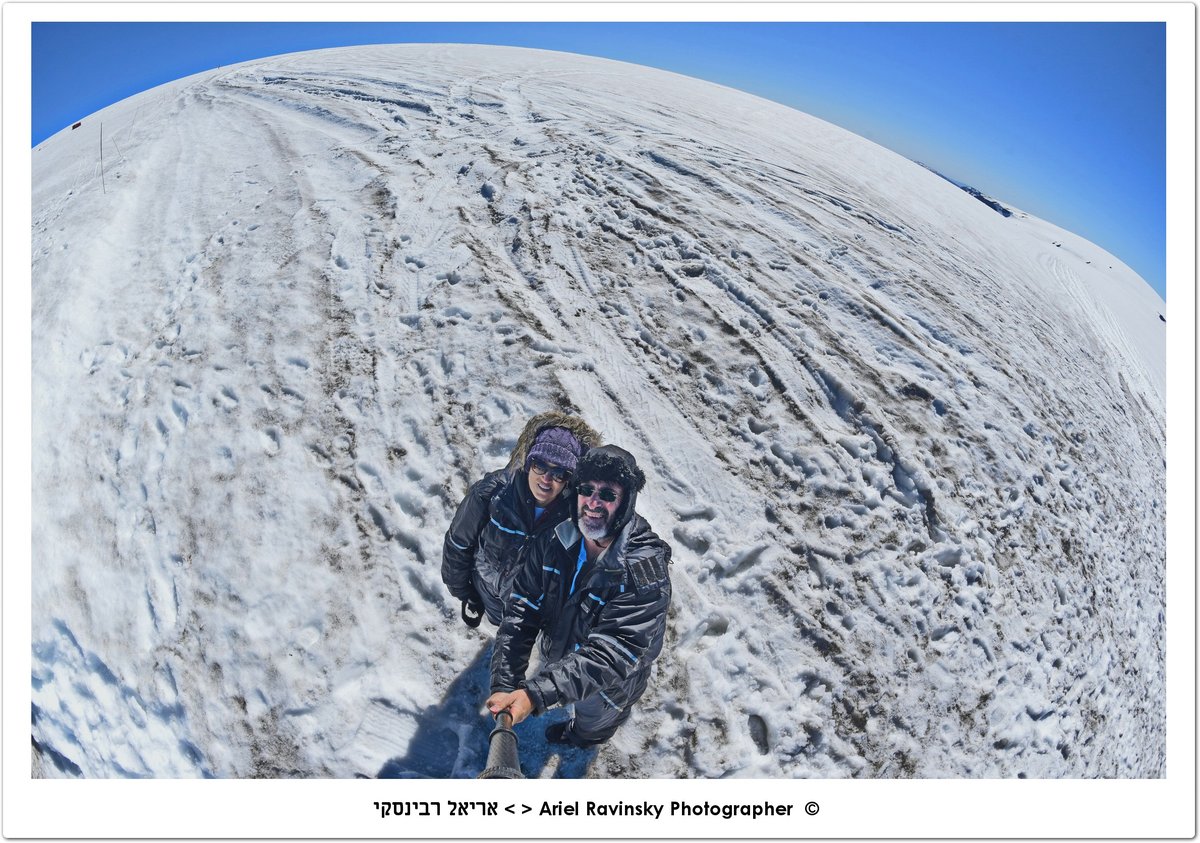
[(561, 733)]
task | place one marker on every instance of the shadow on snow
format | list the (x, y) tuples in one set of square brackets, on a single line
[(451, 738)]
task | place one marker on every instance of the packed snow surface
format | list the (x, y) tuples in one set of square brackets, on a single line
[(909, 453)]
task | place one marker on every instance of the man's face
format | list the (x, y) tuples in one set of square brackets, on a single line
[(598, 503)]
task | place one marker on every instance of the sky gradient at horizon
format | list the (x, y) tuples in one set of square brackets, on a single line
[(1064, 120)]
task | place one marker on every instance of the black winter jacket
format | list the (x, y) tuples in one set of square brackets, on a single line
[(490, 530), (598, 637)]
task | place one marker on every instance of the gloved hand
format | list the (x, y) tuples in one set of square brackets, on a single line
[(472, 611)]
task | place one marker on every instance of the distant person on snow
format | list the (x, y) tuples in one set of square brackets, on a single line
[(597, 588), (504, 511)]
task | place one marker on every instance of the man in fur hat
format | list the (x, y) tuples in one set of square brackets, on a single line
[(597, 588), (503, 512)]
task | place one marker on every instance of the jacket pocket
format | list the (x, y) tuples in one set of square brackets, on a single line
[(496, 547)]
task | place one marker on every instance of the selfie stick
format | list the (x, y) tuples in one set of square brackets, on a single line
[(502, 760)]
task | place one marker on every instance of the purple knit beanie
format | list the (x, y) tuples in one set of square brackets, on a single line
[(556, 445)]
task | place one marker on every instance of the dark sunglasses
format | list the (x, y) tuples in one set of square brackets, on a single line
[(557, 474), (586, 490)]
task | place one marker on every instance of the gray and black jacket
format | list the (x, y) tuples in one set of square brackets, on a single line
[(494, 522), (602, 624), (491, 529)]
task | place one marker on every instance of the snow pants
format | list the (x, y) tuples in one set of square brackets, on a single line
[(597, 717)]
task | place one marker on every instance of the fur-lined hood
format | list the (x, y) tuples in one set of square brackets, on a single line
[(582, 431)]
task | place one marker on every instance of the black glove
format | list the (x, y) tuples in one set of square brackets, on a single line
[(472, 612)]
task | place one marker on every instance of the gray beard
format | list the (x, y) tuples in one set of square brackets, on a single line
[(593, 533)]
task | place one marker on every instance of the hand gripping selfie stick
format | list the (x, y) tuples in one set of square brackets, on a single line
[(502, 760)]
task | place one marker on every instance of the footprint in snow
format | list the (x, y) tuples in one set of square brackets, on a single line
[(759, 733), (272, 440), (756, 426), (714, 626), (693, 541), (743, 561), (180, 413)]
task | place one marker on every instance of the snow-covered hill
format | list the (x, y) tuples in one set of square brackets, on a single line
[(909, 452)]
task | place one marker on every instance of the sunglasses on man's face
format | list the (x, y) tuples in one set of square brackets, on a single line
[(558, 474), (606, 495)]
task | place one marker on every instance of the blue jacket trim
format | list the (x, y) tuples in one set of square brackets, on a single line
[(500, 526), (632, 658), (527, 601), (609, 701), (597, 599), (552, 570), (578, 565)]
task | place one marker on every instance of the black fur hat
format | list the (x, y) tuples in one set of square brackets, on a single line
[(613, 465)]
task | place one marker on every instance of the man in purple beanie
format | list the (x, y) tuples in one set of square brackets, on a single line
[(504, 511)]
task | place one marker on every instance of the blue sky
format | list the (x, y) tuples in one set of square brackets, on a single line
[(1064, 120)]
